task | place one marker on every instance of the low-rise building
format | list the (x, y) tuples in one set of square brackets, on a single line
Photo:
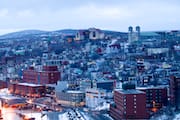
[(95, 97), (27, 89), (108, 85), (70, 98)]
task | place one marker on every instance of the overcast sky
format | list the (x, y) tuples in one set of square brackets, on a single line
[(116, 15)]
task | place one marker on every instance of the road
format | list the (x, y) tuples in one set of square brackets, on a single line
[(96, 116)]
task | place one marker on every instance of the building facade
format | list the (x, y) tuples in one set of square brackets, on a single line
[(27, 89), (95, 97), (108, 85), (129, 104), (48, 75), (3, 84), (156, 97), (133, 35), (175, 91), (91, 34), (70, 98)]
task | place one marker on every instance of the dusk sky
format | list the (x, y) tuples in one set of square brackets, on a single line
[(116, 15)]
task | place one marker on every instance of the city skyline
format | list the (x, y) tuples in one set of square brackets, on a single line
[(115, 15)]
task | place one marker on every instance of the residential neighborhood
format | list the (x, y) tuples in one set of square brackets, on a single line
[(91, 74)]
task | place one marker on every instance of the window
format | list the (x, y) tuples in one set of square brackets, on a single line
[(94, 34), (77, 35)]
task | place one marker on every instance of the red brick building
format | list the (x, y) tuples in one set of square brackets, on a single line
[(27, 89), (156, 97), (48, 75), (3, 84), (129, 104), (175, 91)]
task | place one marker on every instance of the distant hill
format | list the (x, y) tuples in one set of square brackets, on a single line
[(109, 32), (38, 33), (67, 31), (23, 33)]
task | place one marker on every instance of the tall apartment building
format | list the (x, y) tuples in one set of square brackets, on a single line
[(156, 97), (175, 91), (129, 104)]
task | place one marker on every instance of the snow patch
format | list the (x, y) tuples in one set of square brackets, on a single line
[(104, 106), (177, 117)]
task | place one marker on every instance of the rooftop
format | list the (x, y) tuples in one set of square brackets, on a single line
[(76, 92), (9, 97), (131, 91), (152, 87), (30, 84)]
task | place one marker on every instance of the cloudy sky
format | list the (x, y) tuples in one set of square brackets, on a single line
[(117, 15)]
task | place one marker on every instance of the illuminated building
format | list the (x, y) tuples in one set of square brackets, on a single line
[(48, 75), (156, 97), (27, 89)]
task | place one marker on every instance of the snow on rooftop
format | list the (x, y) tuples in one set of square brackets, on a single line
[(104, 106), (113, 42), (177, 117), (9, 97), (30, 84), (133, 91), (4, 94), (71, 91), (152, 87)]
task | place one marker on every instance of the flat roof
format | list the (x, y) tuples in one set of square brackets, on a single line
[(130, 91), (9, 97), (105, 81), (152, 87), (76, 91), (30, 84)]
